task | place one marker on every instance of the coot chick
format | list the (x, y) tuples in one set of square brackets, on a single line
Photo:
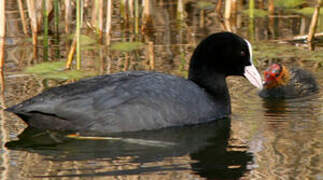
[(139, 100), (281, 82)]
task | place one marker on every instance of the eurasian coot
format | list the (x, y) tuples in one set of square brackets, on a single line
[(281, 82), (139, 100)]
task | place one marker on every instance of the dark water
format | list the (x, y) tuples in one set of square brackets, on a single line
[(262, 140)]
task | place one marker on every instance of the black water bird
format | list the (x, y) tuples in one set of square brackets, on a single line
[(139, 100), (284, 83)]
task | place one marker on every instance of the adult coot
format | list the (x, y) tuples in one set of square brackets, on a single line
[(281, 82), (132, 101)]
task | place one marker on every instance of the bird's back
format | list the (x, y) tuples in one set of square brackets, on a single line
[(127, 101)]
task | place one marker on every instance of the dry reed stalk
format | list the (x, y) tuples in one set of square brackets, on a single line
[(131, 8), (70, 55), (234, 12), (97, 17), (22, 16), (227, 15), (218, 6), (271, 11), (68, 15), (234, 8), (180, 10), (108, 22), (271, 7), (94, 13), (227, 9), (34, 25), (220, 16), (146, 17), (261, 4), (151, 55), (126, 62), (78, 33), (2, 32), (100, 19), (314, 21)]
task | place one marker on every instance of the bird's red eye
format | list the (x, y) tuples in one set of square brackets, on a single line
[(242, 53)]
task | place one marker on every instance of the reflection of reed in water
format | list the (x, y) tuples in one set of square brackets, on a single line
[(2, 32), (291, 129), (4, 133)]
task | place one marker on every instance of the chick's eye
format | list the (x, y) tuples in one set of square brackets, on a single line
[(275, 71), (242, 53)]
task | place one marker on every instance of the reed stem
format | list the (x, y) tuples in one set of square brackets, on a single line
[(34, 25), (22, 16), (227, 10), (108, 23), (68, 15), (45, 36), (136, 16), (56, 39), (314, 21), (78, 32)]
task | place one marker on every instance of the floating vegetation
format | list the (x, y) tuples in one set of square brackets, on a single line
[(56, 70), (289, 3), (264, 51), (84, 40), (257, 12), (205, 5), (127, 46), (308, 11)]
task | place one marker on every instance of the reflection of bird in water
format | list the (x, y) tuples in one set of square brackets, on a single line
[(221, 160), (281, 82), (206, 145), (277, 106)]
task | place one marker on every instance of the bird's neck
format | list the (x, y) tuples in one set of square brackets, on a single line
[(215, 85)]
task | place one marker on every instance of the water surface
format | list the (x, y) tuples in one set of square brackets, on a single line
[(262, 140)]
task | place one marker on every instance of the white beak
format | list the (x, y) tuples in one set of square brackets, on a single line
[(251, 73)]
